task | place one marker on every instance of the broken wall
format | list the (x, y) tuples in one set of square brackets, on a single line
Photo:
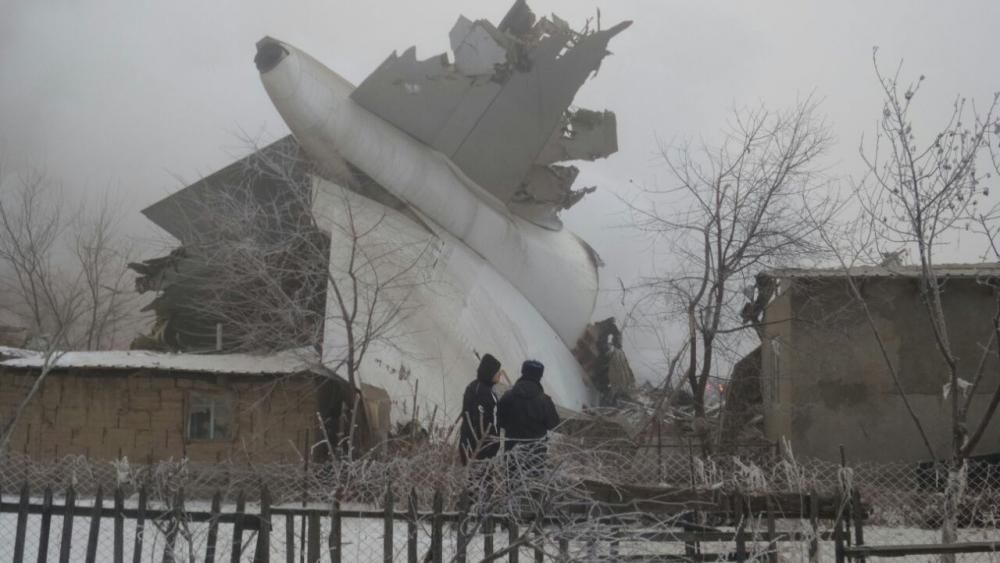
[(743, 399), (826, 383)]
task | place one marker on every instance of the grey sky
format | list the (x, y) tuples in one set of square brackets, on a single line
[(136, 95)]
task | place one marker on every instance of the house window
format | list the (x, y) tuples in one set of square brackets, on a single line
[(209, 417)]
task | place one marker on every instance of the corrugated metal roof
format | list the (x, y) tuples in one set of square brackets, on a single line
[(283, 363), (943, 270)]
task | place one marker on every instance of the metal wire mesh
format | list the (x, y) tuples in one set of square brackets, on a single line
[(904, 503)]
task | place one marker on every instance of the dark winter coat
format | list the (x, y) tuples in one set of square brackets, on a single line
[(526, 412), (480, 419)]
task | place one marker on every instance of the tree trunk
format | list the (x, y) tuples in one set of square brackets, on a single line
[(957, 470)]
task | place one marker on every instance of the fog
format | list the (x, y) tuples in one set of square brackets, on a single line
[(141, 98)]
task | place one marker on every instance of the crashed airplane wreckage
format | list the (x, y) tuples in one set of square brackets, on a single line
[(456, 158)]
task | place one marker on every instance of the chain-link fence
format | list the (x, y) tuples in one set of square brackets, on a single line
[(596, 503)]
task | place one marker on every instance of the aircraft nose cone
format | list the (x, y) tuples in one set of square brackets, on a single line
[(270, 52)]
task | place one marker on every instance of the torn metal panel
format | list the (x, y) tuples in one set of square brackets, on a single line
[(547, 184), (500, 149), (551, 186), (541, 214), (493, 127), (584, 135), (424, 98), (478, 47), (519, 19)]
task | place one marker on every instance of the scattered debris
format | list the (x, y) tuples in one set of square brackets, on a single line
[(600, 352)]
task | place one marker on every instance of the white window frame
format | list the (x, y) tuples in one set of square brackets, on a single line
[(212, 399)]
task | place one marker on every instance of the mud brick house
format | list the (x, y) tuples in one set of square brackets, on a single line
[(823, 376), (151, 406)]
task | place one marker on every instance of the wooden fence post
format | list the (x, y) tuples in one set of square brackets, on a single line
[(306, 447), (690, 546), (488, 526), (237, 540), (95, 526), (838, 534), (513, 535), (659, 449), (411, 529), (22, 523), (140, 524), (814, 522), (858, 514), (262, 552), (462, 539), (741, 523), (388, 524), (437, 528), (772, 542), (213, 528), (335, 542), (176, 515), (119, 525), (290, 537), (313, 533), (67, 529), (43, 535), (539, 542)]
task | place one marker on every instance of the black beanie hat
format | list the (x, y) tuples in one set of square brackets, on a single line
[(488, 367), (532, 369)]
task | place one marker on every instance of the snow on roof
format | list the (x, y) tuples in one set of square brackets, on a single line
[(7, 352), (282, 363), (942, 270)]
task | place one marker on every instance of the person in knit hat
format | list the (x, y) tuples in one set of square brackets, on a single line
[(480, 421), (527, 415)]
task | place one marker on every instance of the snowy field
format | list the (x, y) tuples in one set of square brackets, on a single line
[(363, 541)]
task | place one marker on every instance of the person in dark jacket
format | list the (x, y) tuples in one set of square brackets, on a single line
[(527, 414), (480, 421)]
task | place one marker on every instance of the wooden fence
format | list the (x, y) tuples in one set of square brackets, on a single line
[(854, 521), (256, 528)]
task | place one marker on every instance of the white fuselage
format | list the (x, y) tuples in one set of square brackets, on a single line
[(540, 282)]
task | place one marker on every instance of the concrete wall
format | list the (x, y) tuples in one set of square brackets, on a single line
[(835, 378), (141, 415), (776, 367)]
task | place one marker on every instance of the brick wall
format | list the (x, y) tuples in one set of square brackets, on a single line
[(141, 415)]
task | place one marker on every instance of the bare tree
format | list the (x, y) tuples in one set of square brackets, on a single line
[(39, 294), (918, 196), (108, 299), (63, 274), (735, 208)]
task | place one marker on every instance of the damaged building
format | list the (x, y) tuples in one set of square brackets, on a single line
[(820, 377), (249, 275)]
